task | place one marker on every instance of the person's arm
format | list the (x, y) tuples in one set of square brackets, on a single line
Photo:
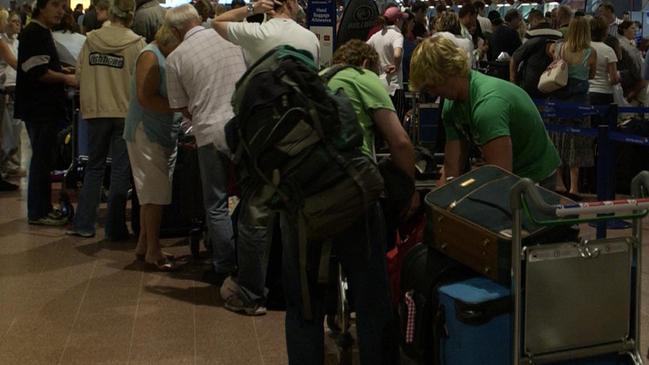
[(498, 152), (613, 76), (147, 84), (455, 154), (398, 55), (53, 77), (401, 149), (592, 64), (221, 22), (7, 55), (176, 93), (513, 67), (550, 49)]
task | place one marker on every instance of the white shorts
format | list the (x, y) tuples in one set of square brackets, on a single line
[(152, 166)]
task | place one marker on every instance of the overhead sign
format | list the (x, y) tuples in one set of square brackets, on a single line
[(321, 17)]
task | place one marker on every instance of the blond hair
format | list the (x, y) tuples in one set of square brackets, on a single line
[(164, 37), (448, 22), (4, 17), (434, 61), (578, 36)]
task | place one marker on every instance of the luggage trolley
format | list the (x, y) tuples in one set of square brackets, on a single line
[(575, 300)]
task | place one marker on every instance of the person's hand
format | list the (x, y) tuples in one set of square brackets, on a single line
[(70, 80), (69, 70), (415, 202), (390, 69), (264, 6)]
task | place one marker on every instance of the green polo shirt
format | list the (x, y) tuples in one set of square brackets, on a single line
[(497, 108), (366, 93)]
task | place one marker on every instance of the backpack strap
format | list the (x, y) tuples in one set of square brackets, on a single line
[(333, 70), (302, 262)]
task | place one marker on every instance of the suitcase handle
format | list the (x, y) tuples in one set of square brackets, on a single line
[(525, 194)]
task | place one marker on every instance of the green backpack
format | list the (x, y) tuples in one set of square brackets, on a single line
[(299, 144)]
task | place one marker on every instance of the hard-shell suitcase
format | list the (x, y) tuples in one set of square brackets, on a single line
[(477, 318), (472, 221), (477, 321)]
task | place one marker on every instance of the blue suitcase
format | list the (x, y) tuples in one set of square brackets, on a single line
[(477, 322)]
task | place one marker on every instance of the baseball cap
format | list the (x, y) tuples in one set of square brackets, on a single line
[(394, 13)]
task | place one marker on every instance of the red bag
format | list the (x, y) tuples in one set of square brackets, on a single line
[(409, 235)]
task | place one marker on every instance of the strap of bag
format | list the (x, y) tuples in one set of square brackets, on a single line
[(333, 70), (302, 262), (558, 53)]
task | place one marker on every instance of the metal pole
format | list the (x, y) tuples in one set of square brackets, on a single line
[(605, 164), (637, 233), (516, 282)]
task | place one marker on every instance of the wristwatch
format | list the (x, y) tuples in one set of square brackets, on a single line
[(251, 9)]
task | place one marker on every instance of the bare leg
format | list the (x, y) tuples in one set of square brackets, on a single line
[(561, 185), (153, 220), (574, 180), (141, 247)]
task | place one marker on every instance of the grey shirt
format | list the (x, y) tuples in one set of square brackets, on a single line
[(148, 18)]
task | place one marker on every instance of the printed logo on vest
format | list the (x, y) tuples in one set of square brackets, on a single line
[(110, 60)]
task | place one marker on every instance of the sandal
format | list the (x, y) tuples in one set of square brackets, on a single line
[(164, 265), (142, 257)]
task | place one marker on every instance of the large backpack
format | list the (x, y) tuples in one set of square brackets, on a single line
[(299, 144)]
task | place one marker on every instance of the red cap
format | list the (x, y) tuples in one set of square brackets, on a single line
[(393, 13)]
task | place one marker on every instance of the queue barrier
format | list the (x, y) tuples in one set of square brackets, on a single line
[(607, 134)]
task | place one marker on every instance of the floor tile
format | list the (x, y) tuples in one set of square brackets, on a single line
[(223, 337), (103, 338)]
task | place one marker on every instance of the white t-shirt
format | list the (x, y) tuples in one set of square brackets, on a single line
[(68, 46), (257, 39), (459, 42), (385, 42), (485, 24), (605, 55)]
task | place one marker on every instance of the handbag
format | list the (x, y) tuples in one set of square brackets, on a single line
[(555, 75)]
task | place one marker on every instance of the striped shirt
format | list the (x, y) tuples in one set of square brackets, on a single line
[(201, 76)]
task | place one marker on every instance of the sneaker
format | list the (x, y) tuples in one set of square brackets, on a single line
[(48, 221), (56, 214), (76, 233), (238, 305), (233, 302)]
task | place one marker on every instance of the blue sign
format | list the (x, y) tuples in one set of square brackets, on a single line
[(321, 17), (321, 13)]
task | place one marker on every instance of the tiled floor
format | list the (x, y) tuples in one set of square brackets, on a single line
[(67, 300)]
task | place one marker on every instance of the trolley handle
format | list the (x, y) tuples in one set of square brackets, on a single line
[(525, 193), (640, 185), (525, 190)]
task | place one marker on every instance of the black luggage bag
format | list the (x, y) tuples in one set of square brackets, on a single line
[(423, 271)]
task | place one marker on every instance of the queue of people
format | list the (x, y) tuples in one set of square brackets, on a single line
[(141, 70)]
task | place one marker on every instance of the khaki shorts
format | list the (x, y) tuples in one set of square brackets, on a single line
[(152, 166)]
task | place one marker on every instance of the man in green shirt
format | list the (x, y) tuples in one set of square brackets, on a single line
[(493, 114)]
